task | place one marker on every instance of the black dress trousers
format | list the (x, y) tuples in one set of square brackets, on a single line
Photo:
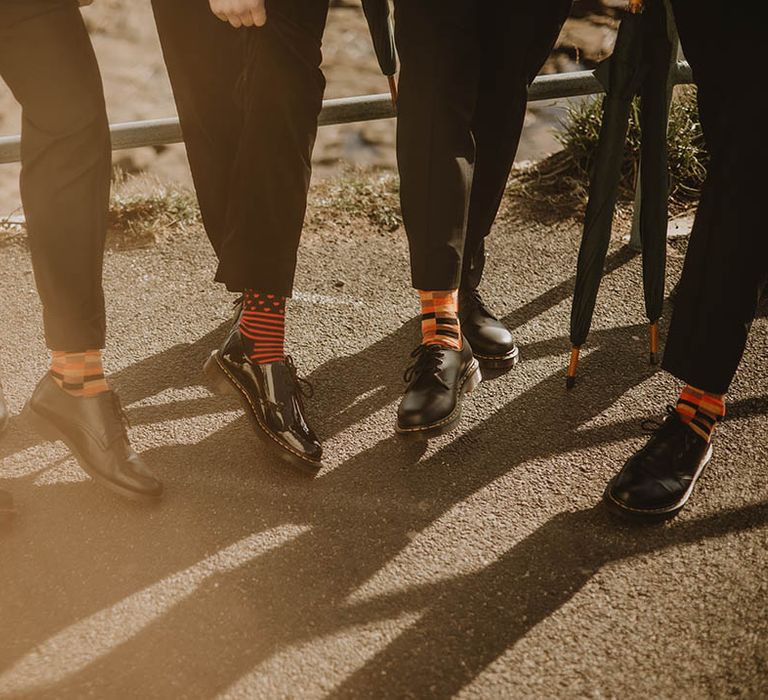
[(726, 266), (465, 70), (47, 61), (248, 101)]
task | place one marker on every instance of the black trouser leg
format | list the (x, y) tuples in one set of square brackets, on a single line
[(47, 60), (248, 101), (439, 76), (507, 68), (463, 89), (726, 266)]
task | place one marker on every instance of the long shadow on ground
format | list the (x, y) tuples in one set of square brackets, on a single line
[(345, 528)]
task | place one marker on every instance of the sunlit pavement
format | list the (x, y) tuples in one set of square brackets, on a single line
[(481, 564)]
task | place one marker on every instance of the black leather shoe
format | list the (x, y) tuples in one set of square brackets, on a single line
[(272, 397), (437, 382), (491, 341), (657, 481), (94, 430), (7, 510), (4, 415)]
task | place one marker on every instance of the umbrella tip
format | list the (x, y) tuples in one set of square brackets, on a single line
[(570, 380), (653, 341)]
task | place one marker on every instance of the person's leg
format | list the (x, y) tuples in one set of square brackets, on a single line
[(516, 39), (439, 52), (248, 100), (439, 75), (252, 169), (48, 62), (726, 265), (204, 58), (725, 269)]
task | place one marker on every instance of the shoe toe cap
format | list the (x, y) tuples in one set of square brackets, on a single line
[(491, 340), (639, 493), (137, 477), (415, 414)]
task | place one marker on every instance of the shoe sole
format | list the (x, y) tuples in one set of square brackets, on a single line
[(221, 382), (48, 431), (499, 361), (658, 514), (472, 377)]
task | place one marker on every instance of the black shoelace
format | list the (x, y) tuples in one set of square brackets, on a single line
[(427, 360), (654, 450), (651, 426), (303, 386)]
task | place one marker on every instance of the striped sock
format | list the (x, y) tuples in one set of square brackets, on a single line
[(440, 318), (700, 411), (79, 373), (262, 326)]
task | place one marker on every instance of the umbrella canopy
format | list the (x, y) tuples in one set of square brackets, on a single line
[(639, 65), (380, 24)]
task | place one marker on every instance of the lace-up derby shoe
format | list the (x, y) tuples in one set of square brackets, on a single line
[(272, 396), (94, 430), (437, 382), (492, 343), (657, 481)]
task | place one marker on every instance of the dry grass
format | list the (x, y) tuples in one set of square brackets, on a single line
[(143, 208), (558, 186), (356, 194)]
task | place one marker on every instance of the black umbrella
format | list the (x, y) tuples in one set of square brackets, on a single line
[(654, 170), (641, 53), (380, 23)]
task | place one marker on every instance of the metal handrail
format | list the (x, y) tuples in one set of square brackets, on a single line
[(161, 132)]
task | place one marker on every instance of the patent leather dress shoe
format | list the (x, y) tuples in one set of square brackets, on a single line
[(657, 481), (4, 414), (437, 382), (94, 430), (492, 342), (272, 396)]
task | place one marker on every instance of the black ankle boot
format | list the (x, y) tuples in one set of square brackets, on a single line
[(492, 342)]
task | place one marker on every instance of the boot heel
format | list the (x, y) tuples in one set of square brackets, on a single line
[(473, 380), (41, 426), (214, 376)]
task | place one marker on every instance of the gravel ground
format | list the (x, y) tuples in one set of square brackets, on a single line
[(480, 564)]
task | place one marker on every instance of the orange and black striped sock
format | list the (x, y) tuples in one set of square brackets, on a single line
[(700, 410), (79, 373), (440, 318), (262, 326)]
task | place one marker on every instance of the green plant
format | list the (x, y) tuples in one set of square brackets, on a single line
[(687, 158), (356, 192)]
